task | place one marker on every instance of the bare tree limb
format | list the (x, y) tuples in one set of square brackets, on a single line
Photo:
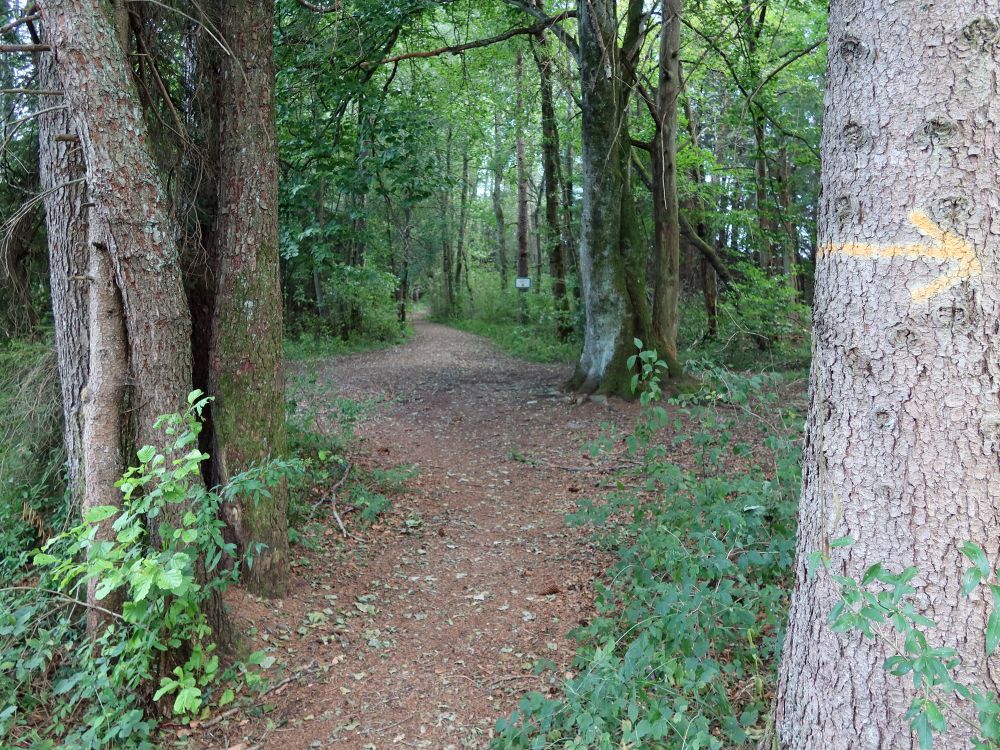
[(457, 49), (18, 21), (24, 48), (319, 8), (528, 7), (32, 92)]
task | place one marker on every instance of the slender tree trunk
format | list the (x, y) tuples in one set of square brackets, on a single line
[(447, 259), (901, 441), (522, 186), (247, 375), (666, 220), (555, 238), (317, 274), (60, 162), (498, 164), (103, 427), (461, 258)]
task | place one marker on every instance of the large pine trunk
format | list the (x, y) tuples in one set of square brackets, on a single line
[(901, 443), (246, 374), (611, 263)]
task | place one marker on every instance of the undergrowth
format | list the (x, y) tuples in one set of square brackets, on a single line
[(31, 451), (683, 651), (523, 324), (61, 686)]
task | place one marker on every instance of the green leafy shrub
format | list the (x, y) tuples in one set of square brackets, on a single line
[(761, 321), (59, 685), (688, 628), (359, 304)]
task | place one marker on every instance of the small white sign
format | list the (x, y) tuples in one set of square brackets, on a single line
[(522, 282)]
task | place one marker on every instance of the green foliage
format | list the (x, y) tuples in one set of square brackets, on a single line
[(880, 606), (32, 455), (685, 644), (99, 690), (762, 323)]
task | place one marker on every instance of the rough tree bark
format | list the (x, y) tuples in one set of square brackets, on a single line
[(902, 437), (611, 263), (60, 163), (246, 363)]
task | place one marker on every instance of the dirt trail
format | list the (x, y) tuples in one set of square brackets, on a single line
[(425, 633)]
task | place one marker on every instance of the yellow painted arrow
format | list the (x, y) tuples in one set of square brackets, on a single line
[(946, 246)]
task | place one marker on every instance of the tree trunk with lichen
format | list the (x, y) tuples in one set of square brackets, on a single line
[(902, 438), (612, 262), (246, 368)]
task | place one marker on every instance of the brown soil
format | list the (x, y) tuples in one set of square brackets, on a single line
[(423, 630)]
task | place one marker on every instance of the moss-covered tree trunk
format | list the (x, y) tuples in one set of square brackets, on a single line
[(611, 269), (246, 363)]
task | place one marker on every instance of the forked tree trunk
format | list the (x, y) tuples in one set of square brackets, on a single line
[(60, 163), (129, 206), (902, 438), (246, 364)]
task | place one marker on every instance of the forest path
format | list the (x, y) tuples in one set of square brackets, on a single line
[(426, 633)]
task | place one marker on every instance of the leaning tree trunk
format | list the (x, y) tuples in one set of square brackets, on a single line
[(666, 219), (902, 439), (129, 208), (246, 363), (613, 295), (60, 163)]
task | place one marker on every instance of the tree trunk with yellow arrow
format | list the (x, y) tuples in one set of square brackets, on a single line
[(901, 450)]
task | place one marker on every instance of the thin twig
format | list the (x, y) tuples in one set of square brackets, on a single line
[(66, 597), (18, 21), (33, 92)]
